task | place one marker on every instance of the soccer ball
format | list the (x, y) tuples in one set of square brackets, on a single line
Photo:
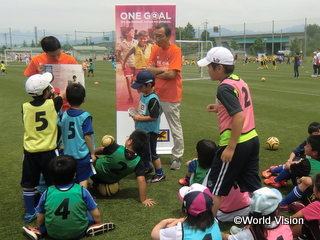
[(107, 140), (272, 143), (108, 190), (263, 79)]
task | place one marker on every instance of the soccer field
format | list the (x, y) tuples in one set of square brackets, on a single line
[(284, 107)]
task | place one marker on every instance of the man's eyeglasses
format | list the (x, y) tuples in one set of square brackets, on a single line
[(159, 36)]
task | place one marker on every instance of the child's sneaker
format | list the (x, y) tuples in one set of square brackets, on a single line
[(284, 208), (32, 232), (267, 173), (270, 181), (28, 218), (157, 178), (297, 206), (183, 182), (99, 228)]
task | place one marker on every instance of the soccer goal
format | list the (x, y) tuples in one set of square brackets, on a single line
[(240, 56), (17, 55), (192, 51)]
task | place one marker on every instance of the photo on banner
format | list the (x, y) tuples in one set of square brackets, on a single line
[(135, 26)]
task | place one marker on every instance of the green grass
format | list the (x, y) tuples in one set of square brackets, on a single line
[(284, 107)]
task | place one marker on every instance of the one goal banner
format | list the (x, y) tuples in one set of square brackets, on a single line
[(130, 21)]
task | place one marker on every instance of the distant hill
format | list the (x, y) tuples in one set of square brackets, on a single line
[(18, 37)]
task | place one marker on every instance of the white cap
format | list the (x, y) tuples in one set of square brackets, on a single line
[(36, 83), (265, 200), (219, 55)]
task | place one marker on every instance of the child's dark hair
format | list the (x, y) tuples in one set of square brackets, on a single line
[(203, 221), (313, 127), (140, 139), (143, 33), (260, 230), (50, 44), (228, 69), (316, 182), (75, 94), (62, 169), (152, 83), (314, 141), (206, 150)]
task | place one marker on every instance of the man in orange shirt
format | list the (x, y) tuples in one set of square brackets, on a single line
[(165, 63), (52, 55)]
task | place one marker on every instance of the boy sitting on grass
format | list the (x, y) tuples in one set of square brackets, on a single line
[(66, 210)]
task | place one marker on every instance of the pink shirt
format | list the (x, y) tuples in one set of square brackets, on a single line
[(312, 211)]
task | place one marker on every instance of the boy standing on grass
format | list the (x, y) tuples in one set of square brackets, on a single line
[(77, 133), (237, 158), (40, 137), (3, 68), (91, 68), (67, 210), (148, 119), (120, 161)]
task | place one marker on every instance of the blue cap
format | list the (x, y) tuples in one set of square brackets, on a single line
[(142, 78)]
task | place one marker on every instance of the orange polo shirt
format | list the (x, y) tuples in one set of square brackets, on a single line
[(168, 90)]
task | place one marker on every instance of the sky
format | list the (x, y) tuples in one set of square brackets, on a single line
[(98, 15)]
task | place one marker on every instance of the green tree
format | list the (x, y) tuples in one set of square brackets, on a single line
[(3, 48), (32, 44), (24, 44), (205, 35), (295, 46), (188, 32), (257, 46), (179, 33), (234, 45), (66, 47), (313, 36), (312, 30), (213, 40)]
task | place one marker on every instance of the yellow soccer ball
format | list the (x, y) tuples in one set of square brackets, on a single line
[(272, 143), (107, 140), (108, 190), (263, 79)]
